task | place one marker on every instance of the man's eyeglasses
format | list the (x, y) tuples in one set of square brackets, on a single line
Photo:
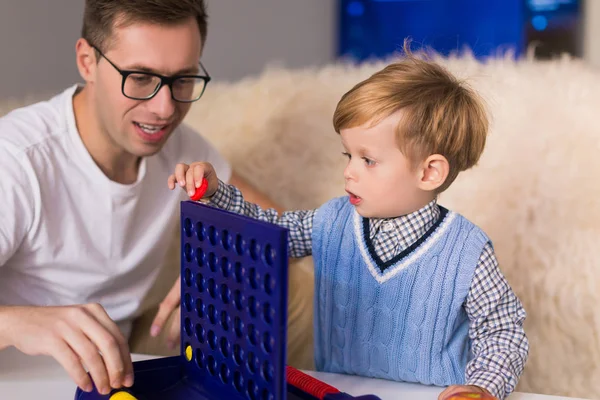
[(138, 85)]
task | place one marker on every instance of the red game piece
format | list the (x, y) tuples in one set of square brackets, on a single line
[(200, 190)]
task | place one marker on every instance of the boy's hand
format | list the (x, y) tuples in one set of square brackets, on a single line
[(456, 390), (189, 177)]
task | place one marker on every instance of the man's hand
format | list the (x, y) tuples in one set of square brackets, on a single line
[(78, 337), (457, 389), (170, 304)]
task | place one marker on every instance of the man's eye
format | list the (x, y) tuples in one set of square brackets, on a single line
[(185, 81), (141, 78)]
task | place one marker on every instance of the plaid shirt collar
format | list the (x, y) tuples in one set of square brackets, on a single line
[(406, 228)]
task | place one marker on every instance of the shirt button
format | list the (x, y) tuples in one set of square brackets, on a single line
[(387, 227)]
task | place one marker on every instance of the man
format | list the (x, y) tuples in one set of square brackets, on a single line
[(86, 218)]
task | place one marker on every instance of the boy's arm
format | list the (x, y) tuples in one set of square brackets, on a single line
[(252, 194), (499, 343), (299, 223)]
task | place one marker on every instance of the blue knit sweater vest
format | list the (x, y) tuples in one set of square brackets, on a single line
[(403, 321)]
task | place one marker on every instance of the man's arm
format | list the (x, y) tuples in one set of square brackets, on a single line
[(74, 335)]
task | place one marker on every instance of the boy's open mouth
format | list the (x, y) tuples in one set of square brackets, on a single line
[(354, 199)]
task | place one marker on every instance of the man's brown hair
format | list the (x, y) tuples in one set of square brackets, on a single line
[(441, 115), (100, 17)]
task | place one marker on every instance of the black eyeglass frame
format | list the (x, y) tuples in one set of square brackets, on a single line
[(164, 80)]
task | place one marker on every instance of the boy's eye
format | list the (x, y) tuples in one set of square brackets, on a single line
[(368, 161), (346, 155)]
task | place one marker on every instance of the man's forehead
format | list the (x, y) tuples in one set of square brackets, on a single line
[(165, 49)]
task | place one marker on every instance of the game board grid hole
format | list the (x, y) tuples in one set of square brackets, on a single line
[(250, 333), (254, 305), (252, 278), (256, 276), (252, 378), (219, 342), (226, 240)]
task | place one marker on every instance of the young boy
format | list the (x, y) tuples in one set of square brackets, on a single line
[(404, 288)]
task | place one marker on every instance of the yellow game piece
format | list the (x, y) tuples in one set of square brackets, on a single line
[(188, 353), (122, 396)]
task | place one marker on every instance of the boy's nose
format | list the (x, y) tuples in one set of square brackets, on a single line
[(348, 172)]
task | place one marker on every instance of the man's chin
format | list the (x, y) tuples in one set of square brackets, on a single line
[(147, 151), (145, 148)]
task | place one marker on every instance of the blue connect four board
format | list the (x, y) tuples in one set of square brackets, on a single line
[(233, 315)]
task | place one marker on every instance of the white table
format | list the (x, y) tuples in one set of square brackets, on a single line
[(41, 378)]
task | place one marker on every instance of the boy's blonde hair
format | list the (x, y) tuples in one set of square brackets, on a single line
[(440, 114)]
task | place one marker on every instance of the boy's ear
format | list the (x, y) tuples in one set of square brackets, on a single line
[(433, 172)]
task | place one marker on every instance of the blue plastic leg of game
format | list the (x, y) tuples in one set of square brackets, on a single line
[(233, 316)]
